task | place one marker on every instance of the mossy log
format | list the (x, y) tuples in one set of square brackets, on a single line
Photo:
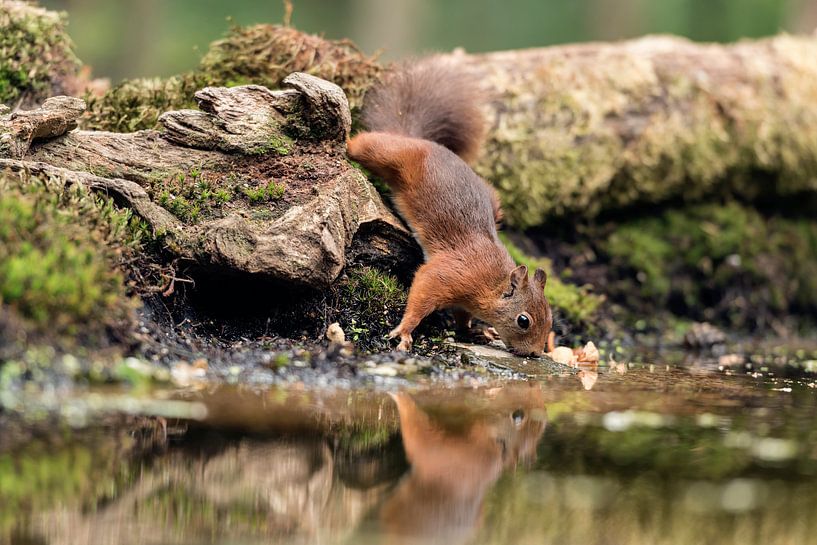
[(580, 129), (255, 182)]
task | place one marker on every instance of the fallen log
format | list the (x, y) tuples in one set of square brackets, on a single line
[(580, 129)]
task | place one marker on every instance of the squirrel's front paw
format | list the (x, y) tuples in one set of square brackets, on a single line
[(405, 339)]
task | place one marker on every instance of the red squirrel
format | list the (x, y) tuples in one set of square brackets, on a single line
[(454, 466), (424, 122)]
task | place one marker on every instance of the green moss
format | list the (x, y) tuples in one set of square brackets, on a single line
[(266, 54), (37, 54), (281, 359), (137, 104), (372, 302), (718, 261), (260, 54), (647, 253), (576, 302), (271, 191), (262, 214), (194, 195), (61, 251), (379, 183)]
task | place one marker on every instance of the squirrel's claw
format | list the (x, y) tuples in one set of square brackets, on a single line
[(405, 339)]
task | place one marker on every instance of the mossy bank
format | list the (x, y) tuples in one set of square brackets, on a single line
[(65, 256), (37, 55)]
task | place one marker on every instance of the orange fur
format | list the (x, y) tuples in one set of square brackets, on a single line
[(454, 215), (453, 469)]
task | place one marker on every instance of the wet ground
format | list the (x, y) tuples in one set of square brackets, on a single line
[(682, 449)]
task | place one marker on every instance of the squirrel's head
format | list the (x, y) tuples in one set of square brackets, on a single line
[(524, 317)]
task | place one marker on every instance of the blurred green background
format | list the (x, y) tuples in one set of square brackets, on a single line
[(129, 38)]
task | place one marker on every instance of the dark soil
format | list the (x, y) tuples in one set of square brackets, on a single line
[(276, 335), (302, 172)]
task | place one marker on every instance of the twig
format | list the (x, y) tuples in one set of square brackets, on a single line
[(287, 13)]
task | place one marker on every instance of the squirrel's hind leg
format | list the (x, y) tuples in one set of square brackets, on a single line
[(396, 158)]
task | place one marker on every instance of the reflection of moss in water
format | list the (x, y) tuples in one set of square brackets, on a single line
[(683, 450), (689, 447), (198, 515), (580, 509), (67, 472), (718, 261), (354, 440), (667, 479)]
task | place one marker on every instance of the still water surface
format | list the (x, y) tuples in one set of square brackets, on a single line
[(647, 455)]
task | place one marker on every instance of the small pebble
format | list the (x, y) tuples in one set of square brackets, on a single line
[(184, 374), (335, 333), (383, 371), (728, 360)]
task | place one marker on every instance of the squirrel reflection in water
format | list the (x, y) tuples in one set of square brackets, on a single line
[(441, 497)]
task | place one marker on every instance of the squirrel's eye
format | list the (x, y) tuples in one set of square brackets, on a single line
[(523, 321)]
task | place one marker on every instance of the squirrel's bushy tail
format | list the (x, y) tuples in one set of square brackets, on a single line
[(434, 99)]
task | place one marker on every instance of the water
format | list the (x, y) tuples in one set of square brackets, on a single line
[(649, 454)]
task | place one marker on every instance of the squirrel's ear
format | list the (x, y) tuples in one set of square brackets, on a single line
[(519, 276), (540, 278)]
